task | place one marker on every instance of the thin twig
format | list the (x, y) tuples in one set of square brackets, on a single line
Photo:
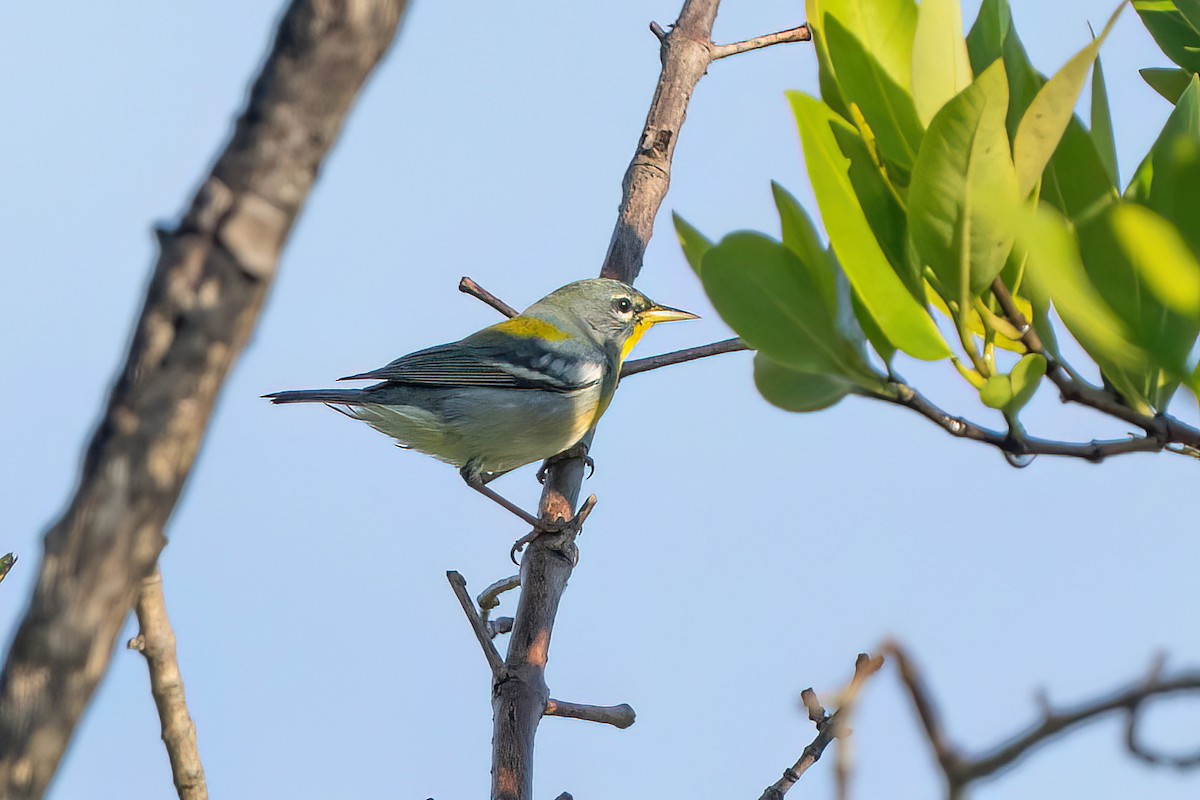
[(1161, 427), (489, 599), (468, 286), (459, 584), (620, 716), (1095, 451), (829, 726), (156, 641), (680, 356), (800, 33)]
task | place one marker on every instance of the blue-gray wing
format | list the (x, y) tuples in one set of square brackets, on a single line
[(510, 363)]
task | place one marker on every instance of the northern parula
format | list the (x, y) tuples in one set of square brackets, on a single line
[(513, 393)]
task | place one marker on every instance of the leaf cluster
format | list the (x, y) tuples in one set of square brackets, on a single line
[(952, 176)]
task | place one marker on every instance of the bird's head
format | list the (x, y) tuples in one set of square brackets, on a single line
[(612, 312)]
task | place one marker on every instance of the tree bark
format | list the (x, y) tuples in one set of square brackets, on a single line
[(208, 285)]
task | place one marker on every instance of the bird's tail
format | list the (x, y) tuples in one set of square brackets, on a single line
[(347, 397)]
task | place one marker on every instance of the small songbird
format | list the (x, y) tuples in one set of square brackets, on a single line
[(516, 392)]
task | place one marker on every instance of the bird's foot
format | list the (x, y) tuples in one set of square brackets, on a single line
[(579, 450), (573, 526)]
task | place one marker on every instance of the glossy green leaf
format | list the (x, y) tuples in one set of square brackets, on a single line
[(1076, 181), (871, 330), (1102, 124), (1183, 124), (882, 96), (1046, 120), (1178, 37), (963, 201), (6, 563), (796, 391), (767, 296), (884, 27), (1026, 377), (899, 316), (800, 236), (941, 67), (826, 79), (693, 242), (1169, 82), (1055, 271), (993, 36)]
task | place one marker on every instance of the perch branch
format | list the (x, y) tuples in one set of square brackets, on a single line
[(621, 716), (156, 641), (798, 34), (829, 726), (468, 286), (202, 302)]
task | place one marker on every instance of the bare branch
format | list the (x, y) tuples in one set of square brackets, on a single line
[(797, 34), (468, 286), (202, 302), (829, 726), (156, 641), (459, 584), (621, 716), (959, 771)]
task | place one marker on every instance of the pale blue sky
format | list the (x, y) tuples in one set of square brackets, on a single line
[(738, 553)]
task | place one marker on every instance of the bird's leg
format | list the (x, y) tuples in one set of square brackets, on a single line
[(477, 482), (579, 450)]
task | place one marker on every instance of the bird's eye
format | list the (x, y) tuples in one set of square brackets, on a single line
[(624, 305)]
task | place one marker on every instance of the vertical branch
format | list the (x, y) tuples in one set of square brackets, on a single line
[(520, 697), (201, 305), (156, 641)]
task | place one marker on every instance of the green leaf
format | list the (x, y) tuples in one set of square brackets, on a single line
[(1026, 377), (800, 236), (1102, 124), (1169, 82), (1076, 180), (941, 67), (1175, 33), (796, 391), (963, 200), (693, 242), (993, 36), (1055, 271), (898, 315), (1046, 120), (767, 296), (996, 391), (1145, 271), (830, 91), (1183, 124), (882, 96), (6, 563)]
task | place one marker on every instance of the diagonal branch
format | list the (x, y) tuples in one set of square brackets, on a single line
[(201, 305)]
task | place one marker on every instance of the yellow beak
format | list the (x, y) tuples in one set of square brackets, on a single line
[(656, 314)]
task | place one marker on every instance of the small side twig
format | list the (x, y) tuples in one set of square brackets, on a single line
[(459, 584), (489, 599), (829, 726), (619, 716), (156, 641), (800, 33), (468, 286)]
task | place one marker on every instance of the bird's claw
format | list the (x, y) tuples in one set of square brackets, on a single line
[(558, 526), (578, 451)]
